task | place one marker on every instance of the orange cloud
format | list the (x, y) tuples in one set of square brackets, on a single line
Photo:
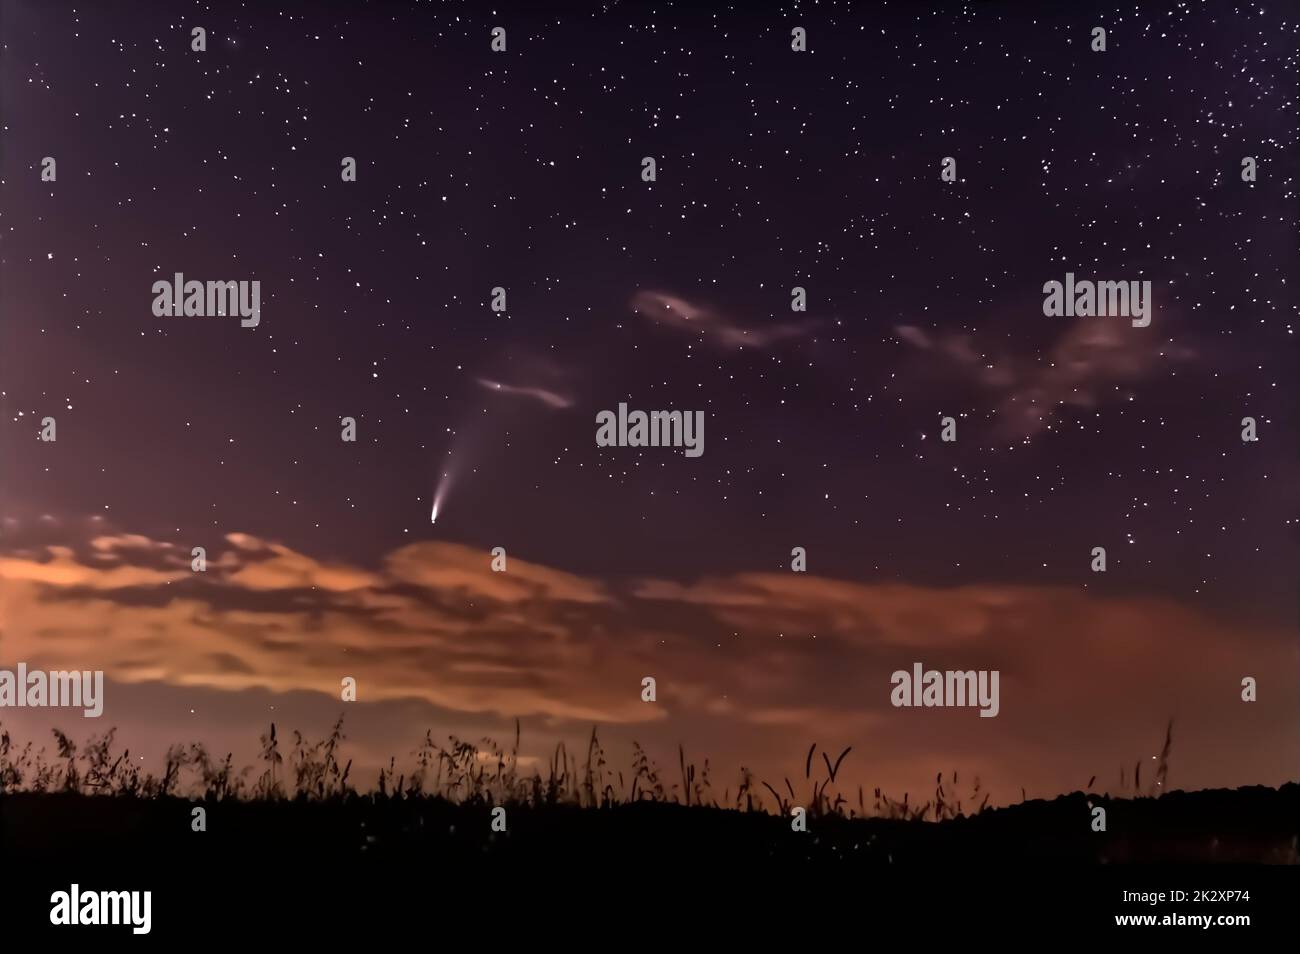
[(62, 570), (761, 664), (283, 569), (451, 566)]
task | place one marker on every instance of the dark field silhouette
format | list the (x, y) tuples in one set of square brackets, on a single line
[(296, 848), (303, 800)]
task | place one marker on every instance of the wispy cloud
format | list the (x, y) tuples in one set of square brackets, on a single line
[(549, 398), (676, 313), (1084, 367)]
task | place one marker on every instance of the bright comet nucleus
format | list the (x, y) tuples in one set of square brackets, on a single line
[(438, 495)]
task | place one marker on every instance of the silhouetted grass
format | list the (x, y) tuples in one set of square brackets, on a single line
[(303, 798), (482, 773), (458, 771)]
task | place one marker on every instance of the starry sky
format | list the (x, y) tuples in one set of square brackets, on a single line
[(522, 170)]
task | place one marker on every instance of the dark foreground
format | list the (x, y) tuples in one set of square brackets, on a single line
[(333, 868)]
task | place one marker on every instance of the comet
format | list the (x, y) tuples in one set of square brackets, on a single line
[(444, 485)]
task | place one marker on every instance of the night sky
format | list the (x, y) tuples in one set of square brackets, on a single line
[(775, 169)]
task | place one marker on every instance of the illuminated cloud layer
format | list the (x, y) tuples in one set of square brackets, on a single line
[(755, 666)]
